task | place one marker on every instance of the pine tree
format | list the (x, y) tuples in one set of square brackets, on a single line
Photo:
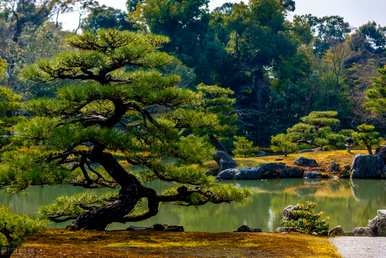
[(119, 121), (376, 95), (243, 147), (316, 130), (281, 143), (368, 136)]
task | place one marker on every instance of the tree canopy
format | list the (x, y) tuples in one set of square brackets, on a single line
[(116, 104)]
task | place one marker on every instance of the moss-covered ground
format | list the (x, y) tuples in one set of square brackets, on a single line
[(63, 243), (324, 158)]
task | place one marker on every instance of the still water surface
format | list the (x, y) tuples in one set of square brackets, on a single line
[(346, 203)]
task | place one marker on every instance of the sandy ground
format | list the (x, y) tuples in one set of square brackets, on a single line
[(361, 247)]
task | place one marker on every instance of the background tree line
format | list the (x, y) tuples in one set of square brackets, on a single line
[(279, 70)]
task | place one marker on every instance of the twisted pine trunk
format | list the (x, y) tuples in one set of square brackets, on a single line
[(129, 195)]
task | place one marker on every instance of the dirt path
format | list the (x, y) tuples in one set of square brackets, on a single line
[(361, 247)]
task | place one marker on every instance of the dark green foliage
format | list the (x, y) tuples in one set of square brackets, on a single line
[(376, 95), (329, 30), (103, 17), (220, 101), (307, 219), (10, 104), (375, 37)]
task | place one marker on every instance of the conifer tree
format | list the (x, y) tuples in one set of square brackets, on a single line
[(376, 95), (243, 147), (119, 121), (315, 130), (368, 136)]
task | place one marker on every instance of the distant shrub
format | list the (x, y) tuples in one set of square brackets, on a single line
[(243, 147), (281, 143), (305, 218)]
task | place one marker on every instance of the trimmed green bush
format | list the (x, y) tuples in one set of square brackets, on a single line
[(305, 218)]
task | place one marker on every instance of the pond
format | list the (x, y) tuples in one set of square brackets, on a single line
[(347, 203)]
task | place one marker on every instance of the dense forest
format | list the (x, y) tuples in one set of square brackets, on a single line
[(279, 69)]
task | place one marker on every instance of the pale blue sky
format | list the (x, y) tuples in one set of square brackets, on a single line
[(356, 12)]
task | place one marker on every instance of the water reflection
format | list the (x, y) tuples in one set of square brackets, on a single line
[(347, 203)]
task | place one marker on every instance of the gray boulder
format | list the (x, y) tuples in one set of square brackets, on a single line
[(288, 212), (312, 175), (286, 230), (292, 172), (167, 228), (266, 171), (305, 162), (248, 174), (224, 160), (245, 228), (381, 152), (334, 167), (228, 174), (271, 170), (336, 231), (362, 231), (368, 166), (378, 224)]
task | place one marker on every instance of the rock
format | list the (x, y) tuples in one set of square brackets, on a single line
[(286, 229), (334, 167), (305, 162), (346, 172), (266, 171), (287, 212), (381, 152), (159, 227), (228, 174), (336, 231), (271, 170), (378, 224), (245, 228), (174, 228), (312, 175), (368, 166), (135, 228), (166, 228), (292, 172), (224, 160), (362, 231), (248, 174)]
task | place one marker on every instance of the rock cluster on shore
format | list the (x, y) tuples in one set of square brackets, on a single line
[(375, 227), (266, 171)]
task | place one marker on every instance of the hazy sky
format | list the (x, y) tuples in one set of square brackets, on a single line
[(356, 12)]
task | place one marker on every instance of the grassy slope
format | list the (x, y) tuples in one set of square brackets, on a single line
[(324, 158), (62, 243)]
